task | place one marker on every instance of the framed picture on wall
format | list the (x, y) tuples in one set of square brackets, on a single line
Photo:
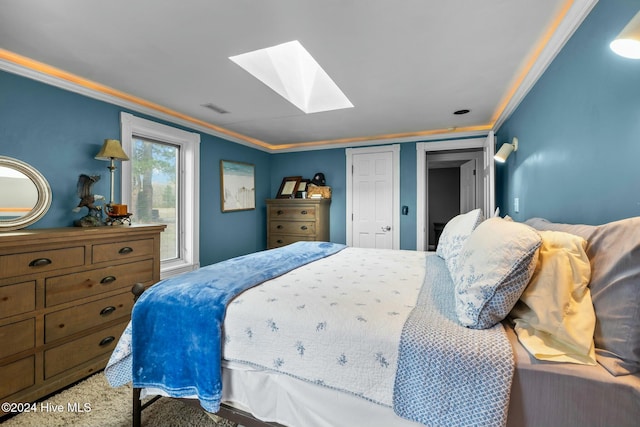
[(288, 187), (237, 186)]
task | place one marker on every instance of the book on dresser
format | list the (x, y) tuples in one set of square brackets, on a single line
[(65, 298), (293, 220)]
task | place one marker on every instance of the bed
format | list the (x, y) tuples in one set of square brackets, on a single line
[(319, 334)]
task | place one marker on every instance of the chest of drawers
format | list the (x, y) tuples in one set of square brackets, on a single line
[(64, 301), (293, 220)]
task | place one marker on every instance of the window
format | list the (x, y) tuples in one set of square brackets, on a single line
[(160, 184)]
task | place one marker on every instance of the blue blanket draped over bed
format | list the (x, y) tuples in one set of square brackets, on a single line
[(177, 323), (449, 375)]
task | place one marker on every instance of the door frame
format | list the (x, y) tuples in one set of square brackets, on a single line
[(395, 188), (422, 148)]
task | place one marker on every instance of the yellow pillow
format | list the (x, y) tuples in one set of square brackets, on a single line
[(554, 318)]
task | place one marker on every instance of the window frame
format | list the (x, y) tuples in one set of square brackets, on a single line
[(188, 185)]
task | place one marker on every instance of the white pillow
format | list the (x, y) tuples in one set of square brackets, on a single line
[(493, 268), (456, 232), (554, 318)]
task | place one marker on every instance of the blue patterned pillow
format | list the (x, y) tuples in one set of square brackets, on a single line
[(456, 232), (492, 270)]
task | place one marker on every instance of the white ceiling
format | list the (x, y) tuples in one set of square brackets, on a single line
[(405, 65)]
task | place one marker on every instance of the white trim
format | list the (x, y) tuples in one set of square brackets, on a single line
[(381, 141), (395, 212), (422, 148), (189, 193), (489, 174)]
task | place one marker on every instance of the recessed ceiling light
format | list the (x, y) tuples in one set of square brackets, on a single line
[(292, 72), (461, 112)]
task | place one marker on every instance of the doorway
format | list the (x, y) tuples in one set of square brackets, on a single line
[(453, 187), (485, 176)]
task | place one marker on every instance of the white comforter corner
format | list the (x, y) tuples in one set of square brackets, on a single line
[(339, 327)]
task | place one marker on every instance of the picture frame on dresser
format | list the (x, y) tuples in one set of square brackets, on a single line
[(301, 191), (237, 186), (288, 187)]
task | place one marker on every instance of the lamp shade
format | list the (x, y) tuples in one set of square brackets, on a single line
[(506, 149), (627, 43), (111, 149)]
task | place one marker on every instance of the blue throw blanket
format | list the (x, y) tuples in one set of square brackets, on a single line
[(449, 375), (176, 341)]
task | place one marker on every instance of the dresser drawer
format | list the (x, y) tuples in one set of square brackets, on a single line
[(75, 319), (17, 376), (18, 298), (67, 356), (122, 250), (70, 287), (293, 227), (34, 262), (17, 337), (275, 241), (292, 212)]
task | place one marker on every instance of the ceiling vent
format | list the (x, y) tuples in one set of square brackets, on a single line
[(215, 108)]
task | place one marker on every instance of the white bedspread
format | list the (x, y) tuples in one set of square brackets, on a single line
[(362, 296)]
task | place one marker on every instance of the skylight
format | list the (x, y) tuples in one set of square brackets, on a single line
[(292, 72)]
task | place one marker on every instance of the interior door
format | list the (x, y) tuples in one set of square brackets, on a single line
[(373, 200), (467, 186)]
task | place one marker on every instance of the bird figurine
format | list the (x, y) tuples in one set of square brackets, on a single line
[(88, 199)]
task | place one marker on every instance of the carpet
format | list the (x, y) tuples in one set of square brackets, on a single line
[(94, 403)]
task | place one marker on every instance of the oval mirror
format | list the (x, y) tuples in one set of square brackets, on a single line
[(25, 195)]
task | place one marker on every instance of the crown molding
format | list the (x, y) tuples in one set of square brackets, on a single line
[(91, 92)]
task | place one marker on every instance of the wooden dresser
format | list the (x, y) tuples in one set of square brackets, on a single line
[(64, 301), (292, 220)]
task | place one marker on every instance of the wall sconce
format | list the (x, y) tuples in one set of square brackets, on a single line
[(111, 150), (505, 150), (627, 43)]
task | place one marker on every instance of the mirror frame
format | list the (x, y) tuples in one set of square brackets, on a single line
[(44, 194)]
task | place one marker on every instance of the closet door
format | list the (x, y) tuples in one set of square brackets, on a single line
[(373, 197)]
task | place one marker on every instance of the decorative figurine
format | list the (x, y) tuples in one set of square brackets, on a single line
[(88, 199)]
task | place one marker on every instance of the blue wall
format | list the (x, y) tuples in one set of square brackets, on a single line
[(579, 130), (229, 234), (333, 164), (59, 133)]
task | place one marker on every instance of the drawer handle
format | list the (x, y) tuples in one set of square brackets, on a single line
[(40, 262), (280, 212), (279, 227), (107, 341), (125, 250), (107, 310), (137, 290), (303, 212), (279, 241), (108, 279), (304, 227)]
